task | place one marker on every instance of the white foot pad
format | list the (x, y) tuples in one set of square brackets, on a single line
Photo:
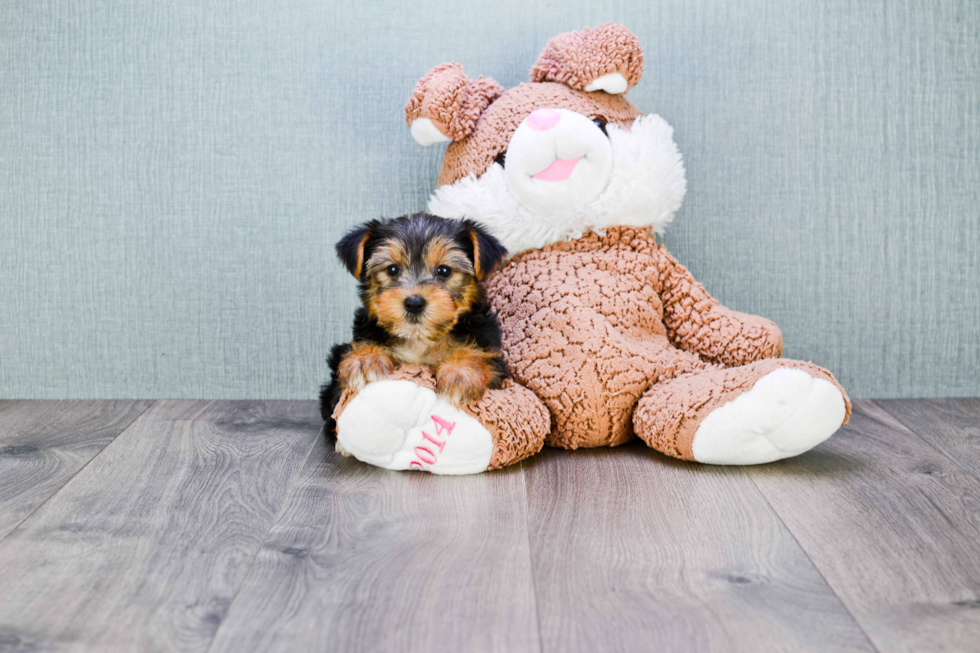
[(784, 414), (613, 83), (399, 425)]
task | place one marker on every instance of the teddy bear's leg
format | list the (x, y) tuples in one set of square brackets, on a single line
[(400, 423), (757, 413)]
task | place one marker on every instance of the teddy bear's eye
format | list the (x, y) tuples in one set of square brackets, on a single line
[(501, 158), (601, 124)]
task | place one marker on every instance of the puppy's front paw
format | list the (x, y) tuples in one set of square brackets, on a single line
[(461, 382), (364, 364)]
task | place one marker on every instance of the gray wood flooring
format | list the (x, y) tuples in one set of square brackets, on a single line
[(231, 526)]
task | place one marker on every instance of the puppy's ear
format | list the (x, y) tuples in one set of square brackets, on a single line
[(488, 253), (351, 248)]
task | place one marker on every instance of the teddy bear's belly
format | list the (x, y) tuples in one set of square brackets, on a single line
[(585, 332), (618, 288)]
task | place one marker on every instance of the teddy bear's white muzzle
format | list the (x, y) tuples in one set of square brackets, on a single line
[(558, 161)]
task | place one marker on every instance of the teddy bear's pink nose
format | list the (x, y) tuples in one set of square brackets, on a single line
[(543, 119)]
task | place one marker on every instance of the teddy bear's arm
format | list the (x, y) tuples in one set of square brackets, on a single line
[(696, 322)]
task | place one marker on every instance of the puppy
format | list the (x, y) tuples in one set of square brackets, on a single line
[(422, 303)]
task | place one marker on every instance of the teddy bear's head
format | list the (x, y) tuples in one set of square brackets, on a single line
[(547, 160)]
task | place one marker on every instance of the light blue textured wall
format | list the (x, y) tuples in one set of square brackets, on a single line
[(174, 173)]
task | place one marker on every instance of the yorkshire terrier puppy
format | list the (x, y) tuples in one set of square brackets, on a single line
[(423, 303)]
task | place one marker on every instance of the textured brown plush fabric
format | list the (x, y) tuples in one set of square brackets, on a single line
[(670, 413), (590, 325), (578, 58), (515, 418), (696, 322), (475, 153), (450, 101)]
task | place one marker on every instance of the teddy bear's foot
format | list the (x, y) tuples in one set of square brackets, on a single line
[(401, 423), (785, 413), (758, 413)]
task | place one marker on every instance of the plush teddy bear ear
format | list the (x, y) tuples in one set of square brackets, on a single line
[(445, 104), (606, 58)]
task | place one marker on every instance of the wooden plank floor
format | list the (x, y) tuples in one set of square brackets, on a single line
[(231, 526)]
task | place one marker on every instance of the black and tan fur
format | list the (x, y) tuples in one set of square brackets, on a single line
[(412, 260)]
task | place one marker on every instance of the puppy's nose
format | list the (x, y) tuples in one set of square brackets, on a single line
[(415, 304), (543, 119)]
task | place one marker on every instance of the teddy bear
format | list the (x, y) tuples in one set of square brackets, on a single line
[(607, 337)]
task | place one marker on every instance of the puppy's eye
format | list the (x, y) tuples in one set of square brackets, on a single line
[(393, 270), (444, 272), (501, 158), (601, 124)]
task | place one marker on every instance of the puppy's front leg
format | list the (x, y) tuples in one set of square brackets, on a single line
[(465, 375), (365, 363)]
